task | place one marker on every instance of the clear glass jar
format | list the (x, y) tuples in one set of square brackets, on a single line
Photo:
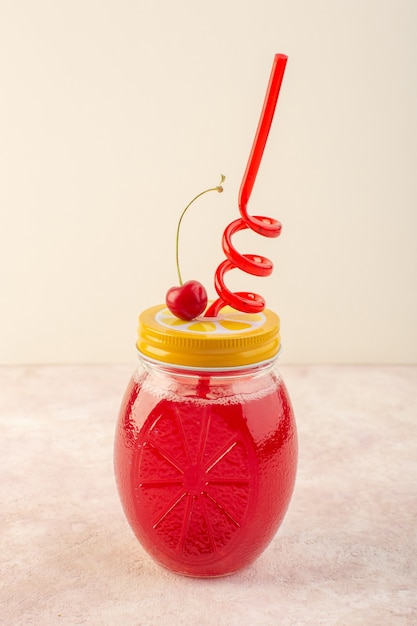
[(205, 457)]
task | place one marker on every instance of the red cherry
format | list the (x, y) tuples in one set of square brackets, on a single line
[(187, 301)]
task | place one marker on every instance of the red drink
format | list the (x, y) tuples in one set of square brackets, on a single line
[(205, 465), (206, 447)]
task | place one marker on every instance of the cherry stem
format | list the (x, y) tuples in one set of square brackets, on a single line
[(218, 188)]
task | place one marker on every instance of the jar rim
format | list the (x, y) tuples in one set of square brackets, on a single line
[(191, 368)]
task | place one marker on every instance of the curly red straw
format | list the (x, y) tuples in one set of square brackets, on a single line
[(268, 227)]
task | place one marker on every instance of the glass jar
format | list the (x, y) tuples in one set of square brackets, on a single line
[(206, 444)]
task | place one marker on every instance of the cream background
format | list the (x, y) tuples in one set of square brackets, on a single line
[(114, 114)]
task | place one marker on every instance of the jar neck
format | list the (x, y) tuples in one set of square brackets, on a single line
[(172, 369)]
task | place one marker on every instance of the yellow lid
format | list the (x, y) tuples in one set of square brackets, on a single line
[(232, 339)]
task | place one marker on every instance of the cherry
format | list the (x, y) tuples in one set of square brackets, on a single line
[(188, 300)]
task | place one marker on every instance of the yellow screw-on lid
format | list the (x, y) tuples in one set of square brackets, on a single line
[(232, 339)]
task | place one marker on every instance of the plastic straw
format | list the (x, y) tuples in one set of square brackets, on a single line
[(261, 136)]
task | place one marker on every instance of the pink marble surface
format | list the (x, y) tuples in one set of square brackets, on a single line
[(345, 555)]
